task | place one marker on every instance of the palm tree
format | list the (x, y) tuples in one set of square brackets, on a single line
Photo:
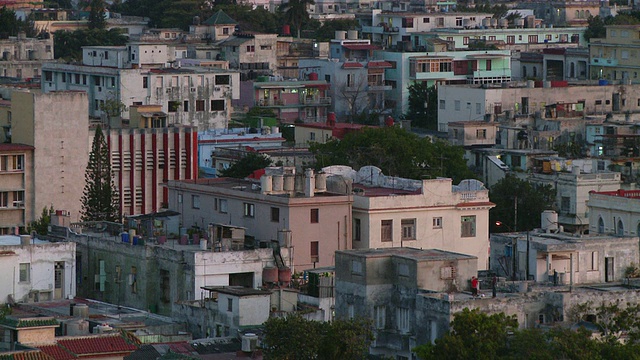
[(295, 12)]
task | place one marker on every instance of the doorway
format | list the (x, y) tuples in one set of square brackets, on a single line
[(608, 269), (58, 288)]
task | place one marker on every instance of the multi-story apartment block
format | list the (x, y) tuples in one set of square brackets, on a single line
[(148, 154), (519, 99), (564, 13), (48, 174), (307, 101), (614, 57), (357, 79), (22, 57), (443, 67), (253, 54), (396, 212), (297, 211), (552, 64), (388, 28), (16, 177), (512, 38), (137, 74), (218, 27), (615, 212)]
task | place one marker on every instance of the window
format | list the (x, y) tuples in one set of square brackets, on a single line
[(48, 75), (442, 107), (275, 214), (133, 280), (468, 226), (312, 136), (249, 210), (199, 105), (314, 252), (229, 304), (185, 105), (225, 31), (481, 134), (18, 199), (4, 199), (84, 79), (251, 48), (315, 216), (18, 162), (223, 206), (356, 267), (380, 316), (217, 105), (465, 40), (593, 261), (402, 315), (195, 201), (533, 39), (173, 106), (223, 80), (118, 274), (386, 230), (350, 80), (457, 105), (565, 204), (478, 108), (145, 82), (25, 272), (408, 229), (437, 222), (600, 226), (511, 39), (488, 65), (4, 160), (425, 20), (357, 229)]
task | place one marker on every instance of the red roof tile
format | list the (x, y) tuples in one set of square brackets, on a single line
[(15, 147), (57, 352), (97, 345), (379, 64), (352, 65), (360, 46)]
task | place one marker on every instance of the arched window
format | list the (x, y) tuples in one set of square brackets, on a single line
[(601, 226), (620, 230), (588, 13), (577, 14)]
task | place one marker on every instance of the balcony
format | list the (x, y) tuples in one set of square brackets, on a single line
[(596, 61), (432, 75), (379, 87), (316, 101)]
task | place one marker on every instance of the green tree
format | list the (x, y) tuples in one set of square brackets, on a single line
[(296, 338), (68, 44), (473, 335), (10, 25), (247, 165), (397, 152), (97, 15), (112, 108), (423, 105), (295, 13), (41, 226), (100, 197), (531, 200)]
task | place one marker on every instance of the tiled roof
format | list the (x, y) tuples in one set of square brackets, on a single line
[(26, 355), (352, 65), (97, 345), (15, 147), (220, 18), (379, 64), (57, 353), (360, 46)]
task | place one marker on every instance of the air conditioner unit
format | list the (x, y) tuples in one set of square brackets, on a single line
[(218, 89), (193, 89), (168, 90)]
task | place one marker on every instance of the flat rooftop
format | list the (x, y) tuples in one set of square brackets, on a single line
[(408, 252), (14, 240), (247, 186)]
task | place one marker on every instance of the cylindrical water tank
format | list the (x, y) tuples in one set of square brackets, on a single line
[(203, 244), (81, 311), (313, 76), (284, 275), (270, 275), (549, 220), (494, 23), (76, 327), (341, 34), (352, 34), (504, 23), (486, 22), (321, 181), (266, 183), (519, 22), (277, 183), (289, 182)]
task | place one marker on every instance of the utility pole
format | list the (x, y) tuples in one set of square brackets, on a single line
[(515, 214)]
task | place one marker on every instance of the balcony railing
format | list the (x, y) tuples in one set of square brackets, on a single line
[(316, 101)]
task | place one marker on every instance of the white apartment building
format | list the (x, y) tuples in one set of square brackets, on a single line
[(35, 270)]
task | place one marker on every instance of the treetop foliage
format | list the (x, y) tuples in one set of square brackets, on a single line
[(397, 152), (531, 200), (295, 338), (68, 44), (247, 165)]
